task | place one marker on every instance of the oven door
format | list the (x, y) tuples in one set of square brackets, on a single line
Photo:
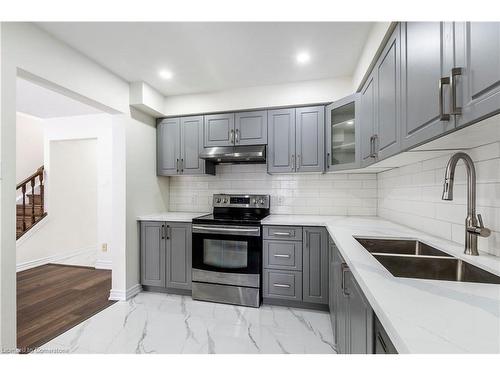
[(228, 255)]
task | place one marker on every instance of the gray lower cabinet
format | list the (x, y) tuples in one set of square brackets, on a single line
[(383, 344), (165, 249), (179, 255), (477, 73), (295, 265), (353, 316), (219, 130), (153, 253), (315, 265), (179, 142), (250, 128), (426, 84)]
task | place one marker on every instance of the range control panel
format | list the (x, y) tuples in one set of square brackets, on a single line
[(241, 201)]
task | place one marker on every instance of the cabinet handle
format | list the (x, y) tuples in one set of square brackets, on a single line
[(455, 72), (373, 148), (298, 162), (288, 234), (382, 342), (231, 136), (292, 161), (344, 269), (162, 232), (281, 285), (442, 82), (328, 160), (182, 165), (177, 165), (307, 240), (282, 255), (168, 232), (237, 136)]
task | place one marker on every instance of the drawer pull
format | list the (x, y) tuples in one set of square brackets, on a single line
[(282, 234), (282, 255), (281, 285)]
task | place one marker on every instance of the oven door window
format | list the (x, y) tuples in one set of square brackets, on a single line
[(228, 254)]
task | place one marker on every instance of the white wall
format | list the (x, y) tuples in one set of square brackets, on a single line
[(326, 194), (411, 195), (71, 224), (29, 145), (296, 93), (370, 49)]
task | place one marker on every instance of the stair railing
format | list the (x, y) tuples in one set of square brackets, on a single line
[(23, 185)]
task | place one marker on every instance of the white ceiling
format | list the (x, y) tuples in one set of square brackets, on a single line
[(216, 56), (41, 102)]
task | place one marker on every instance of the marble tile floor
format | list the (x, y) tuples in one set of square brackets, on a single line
[(173, 324)]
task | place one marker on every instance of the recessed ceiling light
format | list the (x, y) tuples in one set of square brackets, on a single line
[(165, 74), (303, 57)]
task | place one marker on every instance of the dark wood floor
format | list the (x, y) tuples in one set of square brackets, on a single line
[(54, 298)]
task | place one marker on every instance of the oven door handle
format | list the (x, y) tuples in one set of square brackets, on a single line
[(237, 230)]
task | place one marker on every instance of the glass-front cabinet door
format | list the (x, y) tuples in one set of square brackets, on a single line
[(342, 134)]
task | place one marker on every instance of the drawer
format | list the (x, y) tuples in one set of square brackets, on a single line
[(283, 284), (283, 255), (283, 233)]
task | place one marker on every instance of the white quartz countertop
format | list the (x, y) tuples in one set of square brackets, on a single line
[(171, 216), (420, 316)]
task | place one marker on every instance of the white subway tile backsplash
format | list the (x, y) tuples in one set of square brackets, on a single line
[(327, 194), (411, 195)]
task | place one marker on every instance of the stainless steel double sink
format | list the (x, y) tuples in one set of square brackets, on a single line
[(414, 259)]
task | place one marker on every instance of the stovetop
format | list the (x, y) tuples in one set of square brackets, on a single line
[(235, 218)]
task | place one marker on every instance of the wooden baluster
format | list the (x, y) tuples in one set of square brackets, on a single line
[(24, 207), (32, 201), (42, 191)]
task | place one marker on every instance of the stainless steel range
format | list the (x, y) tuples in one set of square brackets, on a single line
[(227, 250)]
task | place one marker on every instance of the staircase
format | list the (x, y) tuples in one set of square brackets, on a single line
[(31, 209)]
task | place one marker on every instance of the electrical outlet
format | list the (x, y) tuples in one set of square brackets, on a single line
[(104, 247)]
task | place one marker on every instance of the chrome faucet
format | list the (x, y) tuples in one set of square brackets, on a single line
[(473, 225)]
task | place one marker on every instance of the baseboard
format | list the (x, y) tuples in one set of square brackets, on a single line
[(101, 264), (124, 295), (53, 258), (296, 304)]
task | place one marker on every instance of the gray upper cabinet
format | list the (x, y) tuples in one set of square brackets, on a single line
[(387, 96), (251, 128), (342, 134), (168, 147), (281, 143), (219, 130), (367, 123), (425, 68), (178, 254), (477, 77), (315, 265), (310, 139), (179, 142), (153, 249), (191, 145)]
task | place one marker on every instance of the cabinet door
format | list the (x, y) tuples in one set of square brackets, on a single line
[(281, 145), (331, 284), (310, 139), (219, 130), (339, 303), (179, 255), (315, 265), (153, 253), (342, 134), (168, 146), (426, 58), (251, 128), (191, 145), (478, 86), (360, 319), (367, 126), (388, 98)]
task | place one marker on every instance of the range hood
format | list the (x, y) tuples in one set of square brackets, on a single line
[(235, 154)]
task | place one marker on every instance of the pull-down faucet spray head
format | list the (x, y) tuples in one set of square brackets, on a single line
[(448, 189)]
